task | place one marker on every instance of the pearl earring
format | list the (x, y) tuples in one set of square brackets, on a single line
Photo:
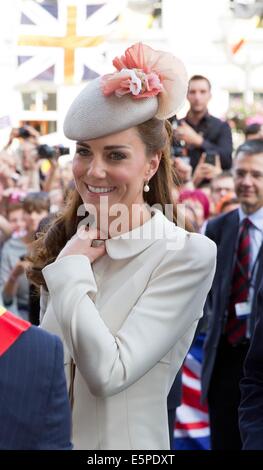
[(146, 187)]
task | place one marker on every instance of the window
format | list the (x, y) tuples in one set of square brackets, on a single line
[(39, 100), (246, 8), (29, 101), (258, 99), (50, 101), (51, 127), (236, 100), (152, 10), (43, 127)]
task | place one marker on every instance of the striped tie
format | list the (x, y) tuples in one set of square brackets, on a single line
[(235, 329)]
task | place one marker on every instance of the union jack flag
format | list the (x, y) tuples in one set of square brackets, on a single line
[(62, 41), (192, 422)]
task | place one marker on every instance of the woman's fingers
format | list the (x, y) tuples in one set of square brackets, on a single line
[(97, 251), (88, 234), (86, 243)]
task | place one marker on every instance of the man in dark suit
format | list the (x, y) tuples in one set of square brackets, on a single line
[(251, 407), (231, 317), (34, 407)]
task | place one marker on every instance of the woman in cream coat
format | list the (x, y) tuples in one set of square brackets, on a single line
[(126, 308)]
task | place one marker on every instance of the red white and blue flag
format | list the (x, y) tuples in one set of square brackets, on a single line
[(64, 42), (192, 422)]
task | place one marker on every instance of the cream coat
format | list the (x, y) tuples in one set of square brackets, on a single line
[(128, 322)]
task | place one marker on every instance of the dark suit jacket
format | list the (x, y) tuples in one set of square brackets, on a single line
[(223, 230), (251, 407), (175, 395), (34, 408)]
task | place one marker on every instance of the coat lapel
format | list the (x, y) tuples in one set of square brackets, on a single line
[(226, 254)]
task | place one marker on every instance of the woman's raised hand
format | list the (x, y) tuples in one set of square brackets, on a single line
[(82, 243)]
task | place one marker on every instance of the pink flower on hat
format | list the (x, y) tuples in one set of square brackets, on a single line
[(144, 72), (133, 76), (134, 81)]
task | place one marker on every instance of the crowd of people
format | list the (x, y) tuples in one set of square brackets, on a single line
[(126, 307), (33, 185)]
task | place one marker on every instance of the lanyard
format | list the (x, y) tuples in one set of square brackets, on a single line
[(249, 279)]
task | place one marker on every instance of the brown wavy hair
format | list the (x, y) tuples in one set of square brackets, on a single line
[(156, 136)]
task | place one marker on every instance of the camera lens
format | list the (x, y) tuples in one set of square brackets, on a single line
[(23, 132), (45, 151)]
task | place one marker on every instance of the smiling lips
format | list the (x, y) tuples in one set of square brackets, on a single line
[(99, 190)]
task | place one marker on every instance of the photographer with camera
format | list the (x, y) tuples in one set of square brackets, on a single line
[(199, 132), (53, 179), (25, 132), (22, 144)]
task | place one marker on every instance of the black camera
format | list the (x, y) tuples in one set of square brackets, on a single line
[(62, 150), (178, 147), (210, 157), (48, 152), (23, 132), (178, 150)]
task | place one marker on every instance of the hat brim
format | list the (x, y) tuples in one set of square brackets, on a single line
[(92, 115)]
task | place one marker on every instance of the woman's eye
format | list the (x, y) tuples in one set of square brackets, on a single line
[(117, 156), (83, 152)]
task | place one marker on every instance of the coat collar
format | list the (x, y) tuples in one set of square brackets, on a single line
[(137, 240), (256, 218)]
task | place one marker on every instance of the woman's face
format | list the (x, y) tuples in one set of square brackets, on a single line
[(33, 219), (113, 168), (17, 220)]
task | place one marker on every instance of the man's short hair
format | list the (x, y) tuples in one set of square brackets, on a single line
[(199, 77), (250, 147), (221, 176), (252, 129), (37, 201)]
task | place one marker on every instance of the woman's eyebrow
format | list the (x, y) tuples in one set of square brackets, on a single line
[(107, 147), (110, 147), (82, 144)]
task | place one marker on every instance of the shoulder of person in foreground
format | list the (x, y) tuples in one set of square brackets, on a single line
[(35, 411), (57, 417), (251, 386), (217, 224)]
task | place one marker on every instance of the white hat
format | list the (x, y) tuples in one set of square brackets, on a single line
[(147, 84)]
